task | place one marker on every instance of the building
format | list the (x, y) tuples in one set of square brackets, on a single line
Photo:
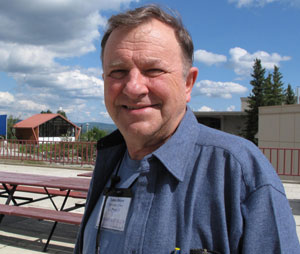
[(279, 126), (46, 127), (229, 121)]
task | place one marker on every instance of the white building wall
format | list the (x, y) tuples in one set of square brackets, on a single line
[(51, 139)]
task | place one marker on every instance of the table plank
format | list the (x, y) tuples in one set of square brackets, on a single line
[(69, 183)]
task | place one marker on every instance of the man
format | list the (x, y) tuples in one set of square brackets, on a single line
[(163, 182)]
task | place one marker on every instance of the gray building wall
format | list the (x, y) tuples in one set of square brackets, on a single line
[(231, 122), (279, 126)]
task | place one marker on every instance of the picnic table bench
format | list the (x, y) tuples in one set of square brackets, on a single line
[(50, 187), (41, 214)]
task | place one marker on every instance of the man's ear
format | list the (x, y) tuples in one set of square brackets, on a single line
[(190, 81)]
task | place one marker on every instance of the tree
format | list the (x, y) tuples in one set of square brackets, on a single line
[(277, 88), (268, 91), (273, 89), (46, 112), (63, 113), (11, 121), (93, 135), (290, 97), (255, 99)]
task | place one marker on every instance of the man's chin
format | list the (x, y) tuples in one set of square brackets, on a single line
[(140, 129)]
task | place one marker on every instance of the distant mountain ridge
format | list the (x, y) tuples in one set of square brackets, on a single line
[(102, 126)]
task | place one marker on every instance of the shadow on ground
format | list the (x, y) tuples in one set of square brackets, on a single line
[(32, 235), (295, 205)]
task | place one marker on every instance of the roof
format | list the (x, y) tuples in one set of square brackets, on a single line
[(38, 119), (219, 113)]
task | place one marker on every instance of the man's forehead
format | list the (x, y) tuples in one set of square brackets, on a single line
[(152, 30), (149, 43), (142, 60)]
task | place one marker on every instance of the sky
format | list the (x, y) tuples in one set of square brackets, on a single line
[(49, 51)]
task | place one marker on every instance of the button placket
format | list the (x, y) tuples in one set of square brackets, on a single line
[(143, 197)]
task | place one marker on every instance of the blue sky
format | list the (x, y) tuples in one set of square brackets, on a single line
[(49, 51)]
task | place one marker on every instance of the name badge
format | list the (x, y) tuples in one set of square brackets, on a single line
[(116, 209)]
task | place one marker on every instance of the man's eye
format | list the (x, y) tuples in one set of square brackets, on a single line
[(154, 72), (118, 74)]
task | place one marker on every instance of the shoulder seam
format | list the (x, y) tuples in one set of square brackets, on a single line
[(230, 153), (260, 187), (242, 171)]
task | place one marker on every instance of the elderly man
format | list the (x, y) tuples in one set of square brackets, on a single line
[(164, 183)]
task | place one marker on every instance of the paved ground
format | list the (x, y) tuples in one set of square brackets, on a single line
[(24, 236)]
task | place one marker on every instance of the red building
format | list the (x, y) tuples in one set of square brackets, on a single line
[(46, 127)]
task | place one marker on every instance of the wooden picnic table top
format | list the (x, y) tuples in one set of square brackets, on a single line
[(86, 174), (67, 183)]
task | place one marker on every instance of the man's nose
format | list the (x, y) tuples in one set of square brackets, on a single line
[(136, 84)]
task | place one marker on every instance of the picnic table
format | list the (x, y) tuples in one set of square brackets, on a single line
[(49, 187), (86, 174)]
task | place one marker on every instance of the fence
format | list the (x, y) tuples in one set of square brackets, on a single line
[(49, 151), (286, 161)]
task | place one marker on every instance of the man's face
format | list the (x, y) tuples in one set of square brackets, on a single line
[(144, 86)]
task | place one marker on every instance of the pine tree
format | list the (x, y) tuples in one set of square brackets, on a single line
[(46, 112), (63, 113), (277, 88), (290, 97), (268, 91), (256, 99)]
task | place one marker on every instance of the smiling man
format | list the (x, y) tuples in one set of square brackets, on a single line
[(146, 89), (162, 182)]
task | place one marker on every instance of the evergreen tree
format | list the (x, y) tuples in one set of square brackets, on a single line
[(255, 99), (63, 113), (277, 88), (46, 112), (268, 91), (290, 97)]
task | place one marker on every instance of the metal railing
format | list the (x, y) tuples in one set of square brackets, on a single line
[(62, 152), (286, 161)]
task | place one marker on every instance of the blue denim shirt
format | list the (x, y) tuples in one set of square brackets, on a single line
[(202, 189)]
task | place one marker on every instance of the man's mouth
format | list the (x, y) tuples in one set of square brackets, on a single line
[(138, 107)]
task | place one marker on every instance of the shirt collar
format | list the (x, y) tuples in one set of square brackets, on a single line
[(176, 152)]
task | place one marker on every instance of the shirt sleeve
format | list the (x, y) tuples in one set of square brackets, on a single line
[(269, 226)]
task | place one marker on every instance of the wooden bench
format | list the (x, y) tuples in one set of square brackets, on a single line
[(42, 214)]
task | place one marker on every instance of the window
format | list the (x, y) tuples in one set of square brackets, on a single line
[(56, 127)]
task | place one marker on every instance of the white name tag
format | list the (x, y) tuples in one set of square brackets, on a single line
[(115, 213)]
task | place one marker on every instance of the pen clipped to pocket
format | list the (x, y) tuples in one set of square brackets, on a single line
[(176, 251)]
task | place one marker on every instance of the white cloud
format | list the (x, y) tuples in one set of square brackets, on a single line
[(12, 104), (230, 108), (34, 36), (209, 58), (218, 89), (6, 98), (15, 58), (261, 3), (104, 114), (29, 105), (242, 61), (245, 3), (205, 109)]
